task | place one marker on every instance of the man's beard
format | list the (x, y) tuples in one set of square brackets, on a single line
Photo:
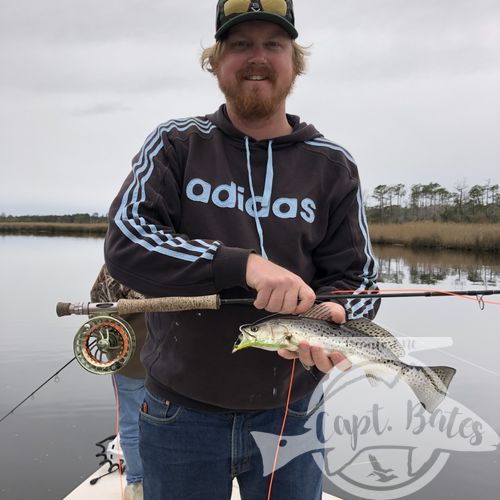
[(250, 104)]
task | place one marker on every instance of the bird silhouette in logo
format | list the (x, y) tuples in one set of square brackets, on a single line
[(383, 474)]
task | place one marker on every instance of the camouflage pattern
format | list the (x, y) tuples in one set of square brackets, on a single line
[(106, 289)]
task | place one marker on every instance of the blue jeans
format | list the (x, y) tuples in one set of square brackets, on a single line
[(193, 455), (131, 396)]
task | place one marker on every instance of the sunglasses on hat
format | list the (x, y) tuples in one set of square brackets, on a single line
[(232, 12)]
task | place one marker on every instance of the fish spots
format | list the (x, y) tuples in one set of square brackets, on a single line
[(359, 339)]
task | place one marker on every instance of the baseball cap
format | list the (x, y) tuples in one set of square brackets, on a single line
[(232, 12)]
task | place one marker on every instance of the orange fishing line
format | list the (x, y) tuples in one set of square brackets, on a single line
[(120, 471), (281, 432)]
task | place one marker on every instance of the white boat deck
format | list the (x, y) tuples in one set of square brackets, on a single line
[(108, 488)]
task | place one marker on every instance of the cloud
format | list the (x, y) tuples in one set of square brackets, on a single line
[(393, 39)]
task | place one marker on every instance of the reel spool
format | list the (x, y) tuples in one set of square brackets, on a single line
[(104, 344)]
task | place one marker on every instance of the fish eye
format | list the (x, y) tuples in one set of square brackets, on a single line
[(254, 329)]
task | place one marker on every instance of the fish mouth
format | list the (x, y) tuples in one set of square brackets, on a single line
[(247, 339), (268, 346)]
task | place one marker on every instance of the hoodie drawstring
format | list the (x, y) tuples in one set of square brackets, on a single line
[(265, 199)]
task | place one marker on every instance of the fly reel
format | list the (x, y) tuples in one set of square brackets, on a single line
[(104, 344)]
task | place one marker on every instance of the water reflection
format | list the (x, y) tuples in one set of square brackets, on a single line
[(430, 267), (59, 428)]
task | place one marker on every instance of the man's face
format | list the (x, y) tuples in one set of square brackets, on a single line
[(256, 71)]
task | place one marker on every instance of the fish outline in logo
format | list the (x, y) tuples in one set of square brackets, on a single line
[(407, 430)]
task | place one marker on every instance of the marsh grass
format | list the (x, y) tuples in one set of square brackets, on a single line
[(426, 234), (54, 228)]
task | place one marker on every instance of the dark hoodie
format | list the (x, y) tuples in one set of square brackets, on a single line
[(183, 224)]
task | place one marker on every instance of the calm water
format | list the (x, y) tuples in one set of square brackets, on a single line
[(47, 447)]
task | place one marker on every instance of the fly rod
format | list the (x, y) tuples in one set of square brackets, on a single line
[(106, 342), (215, 302)]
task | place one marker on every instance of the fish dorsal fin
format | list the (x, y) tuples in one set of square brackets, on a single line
[(318, 311), (371, 329)]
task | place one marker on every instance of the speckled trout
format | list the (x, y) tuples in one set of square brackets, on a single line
[(363, 342)]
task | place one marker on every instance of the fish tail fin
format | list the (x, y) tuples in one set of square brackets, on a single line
[(429, 383)]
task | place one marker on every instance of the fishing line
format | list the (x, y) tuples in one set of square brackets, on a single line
[(281, 432), (467, 362), (54, 376), (37, 389)]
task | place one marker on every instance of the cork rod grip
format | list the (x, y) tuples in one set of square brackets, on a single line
[(168, 304)]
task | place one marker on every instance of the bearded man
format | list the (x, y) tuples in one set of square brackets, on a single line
[(246, 202)]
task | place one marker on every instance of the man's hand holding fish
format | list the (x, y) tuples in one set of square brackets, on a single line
[(310, 355), (281, 291)]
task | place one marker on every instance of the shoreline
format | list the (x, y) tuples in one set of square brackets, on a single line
[(484, 237)]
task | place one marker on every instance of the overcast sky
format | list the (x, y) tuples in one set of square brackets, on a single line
[(410, 88)]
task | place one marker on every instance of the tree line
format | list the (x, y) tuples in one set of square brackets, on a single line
[(386, 203), (396, 203)]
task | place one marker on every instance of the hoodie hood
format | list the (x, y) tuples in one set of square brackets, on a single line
[(301, 131)]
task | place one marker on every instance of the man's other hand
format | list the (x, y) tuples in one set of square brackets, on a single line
[(278, 290)]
